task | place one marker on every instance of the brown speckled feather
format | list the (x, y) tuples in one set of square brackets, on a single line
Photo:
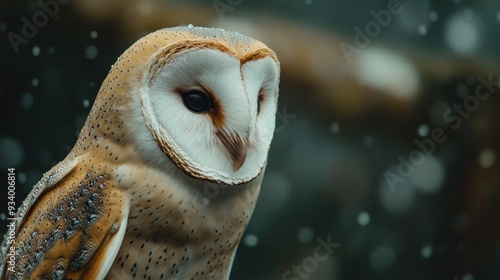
[(177, 235), (67, 231)]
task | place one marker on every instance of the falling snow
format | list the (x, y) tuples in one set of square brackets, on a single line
[(305, 234), (462, 90), (382, 258), (422, 29), (468, 276), (334, 128), (487, 158), (27, 100), (251, 240), (433, 16), (368, 140), (423, 130), (91, 52), (429, 176), (363, 219), (21, 177), (36, 51), (427, 251), (462, 32), (12, 152)]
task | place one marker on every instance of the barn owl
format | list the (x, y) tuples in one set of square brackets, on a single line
[(184, 110)]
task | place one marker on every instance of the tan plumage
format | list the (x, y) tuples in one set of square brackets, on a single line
[(120, 207)]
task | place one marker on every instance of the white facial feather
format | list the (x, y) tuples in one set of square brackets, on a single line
[(261, 76), (235, 88)]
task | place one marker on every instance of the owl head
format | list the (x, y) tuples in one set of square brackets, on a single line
[(202, 100)]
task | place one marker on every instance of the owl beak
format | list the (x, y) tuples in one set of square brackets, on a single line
[(236, 147)]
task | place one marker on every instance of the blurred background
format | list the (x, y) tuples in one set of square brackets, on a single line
[(386, 141)]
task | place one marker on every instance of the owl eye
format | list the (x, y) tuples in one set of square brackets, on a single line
[(196, 101)]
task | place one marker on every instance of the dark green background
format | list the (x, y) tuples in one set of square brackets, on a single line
[(318, 182)]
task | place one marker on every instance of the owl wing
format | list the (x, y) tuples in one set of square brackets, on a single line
[(71, 226)]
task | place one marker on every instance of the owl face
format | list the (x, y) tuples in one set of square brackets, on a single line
[(210, 104)]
